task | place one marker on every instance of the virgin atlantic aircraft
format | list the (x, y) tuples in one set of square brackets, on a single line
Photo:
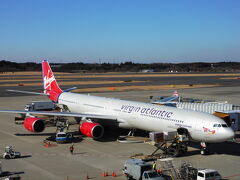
[(95, 111)]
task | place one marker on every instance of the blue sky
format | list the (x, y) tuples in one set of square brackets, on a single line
[(120, 30)]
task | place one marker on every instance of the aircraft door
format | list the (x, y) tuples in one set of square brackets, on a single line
[(198, 134), (198, 126)]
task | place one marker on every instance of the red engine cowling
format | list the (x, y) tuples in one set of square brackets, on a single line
[(90, 129), (34, 124)]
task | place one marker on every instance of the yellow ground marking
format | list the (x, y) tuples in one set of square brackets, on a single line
[(108, 75), (151, 87), (230, 78), (26, 73), (24, 80), (143, 75), (69, 83), (19, 80)]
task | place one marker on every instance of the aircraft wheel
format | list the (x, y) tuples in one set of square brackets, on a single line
[(129, 178), (204, 151), (7, 157)]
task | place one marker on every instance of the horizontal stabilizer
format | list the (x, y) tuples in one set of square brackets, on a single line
[(70, 89), (26, 92)]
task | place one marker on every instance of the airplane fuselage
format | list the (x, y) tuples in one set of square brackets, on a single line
[(138, 115)]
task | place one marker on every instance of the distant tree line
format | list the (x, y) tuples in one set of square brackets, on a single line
[(7, 66)]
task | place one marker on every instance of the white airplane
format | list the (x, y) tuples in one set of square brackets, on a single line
[(95, 111)]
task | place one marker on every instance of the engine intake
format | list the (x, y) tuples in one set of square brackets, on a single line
[(182, 131), (94, 130), (34, 124)]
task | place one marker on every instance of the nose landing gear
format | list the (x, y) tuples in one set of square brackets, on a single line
[(204, 150)]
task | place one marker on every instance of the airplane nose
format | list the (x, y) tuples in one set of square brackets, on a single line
[(230, 134)]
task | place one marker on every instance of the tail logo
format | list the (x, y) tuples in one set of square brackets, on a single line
[(50, 85), (48, 80)]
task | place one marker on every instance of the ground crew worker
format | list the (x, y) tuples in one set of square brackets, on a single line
[(71, 149), (154, 166)]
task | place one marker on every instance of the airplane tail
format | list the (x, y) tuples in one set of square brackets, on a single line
[(50, 85)]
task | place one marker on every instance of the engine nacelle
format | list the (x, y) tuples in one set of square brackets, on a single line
[(94, 130), (34, 124), (182, 131)]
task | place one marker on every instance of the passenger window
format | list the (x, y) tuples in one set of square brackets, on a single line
[(200, 174), (219, 125), (224, 125), (215, 125), (212, 174), (207, 175)]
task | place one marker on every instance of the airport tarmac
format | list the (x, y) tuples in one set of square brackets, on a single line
[(93, 157)]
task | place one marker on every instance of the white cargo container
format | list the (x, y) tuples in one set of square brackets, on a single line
[(40, 106)]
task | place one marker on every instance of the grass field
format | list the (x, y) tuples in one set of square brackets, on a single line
[(20, 83)]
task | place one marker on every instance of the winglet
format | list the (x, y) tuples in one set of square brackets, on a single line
[(50, 85)]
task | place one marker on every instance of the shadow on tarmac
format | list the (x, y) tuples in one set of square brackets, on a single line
[(229, 148), (25, 156), (8, 173), (112, 134), (36, 134)]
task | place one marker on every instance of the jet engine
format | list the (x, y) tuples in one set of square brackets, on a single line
[(182, 131), (90, 129), (34, 124)]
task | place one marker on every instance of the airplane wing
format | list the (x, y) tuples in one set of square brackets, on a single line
[(61, 114), (168, 99)]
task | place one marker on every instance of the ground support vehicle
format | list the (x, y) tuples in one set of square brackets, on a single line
[(177, 146), (35, 106), (63, 137), (188, 172), (135, 169), (10, 153)]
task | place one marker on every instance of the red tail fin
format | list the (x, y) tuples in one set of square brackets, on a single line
[(49, 82)]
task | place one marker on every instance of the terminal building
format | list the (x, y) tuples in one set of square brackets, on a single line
[(229, 112)]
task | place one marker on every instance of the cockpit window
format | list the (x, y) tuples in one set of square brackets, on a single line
[(219, 125)]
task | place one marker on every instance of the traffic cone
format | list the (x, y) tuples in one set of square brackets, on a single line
[(106, 174), (103, 174), (114, 174), (46, 145), (87, 177)]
